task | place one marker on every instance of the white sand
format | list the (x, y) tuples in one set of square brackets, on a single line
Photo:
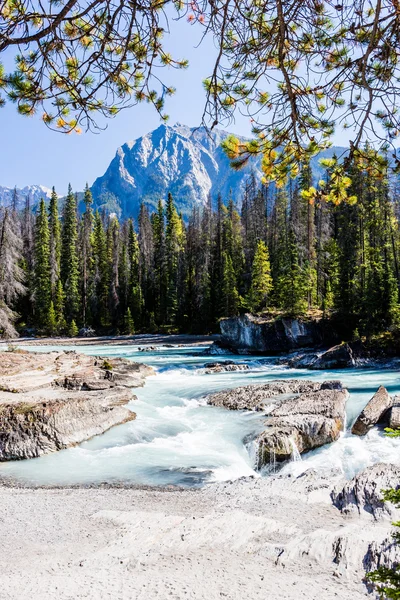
[(249, 540)]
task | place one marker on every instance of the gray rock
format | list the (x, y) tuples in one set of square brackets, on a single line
[(249, 333), (375, 410), (338, 357), (50, 401), (302, 424), (394, 419), (363, 493), (252, 397)]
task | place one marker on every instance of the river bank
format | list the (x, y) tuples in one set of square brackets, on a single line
[(280, 538), (145, 339)]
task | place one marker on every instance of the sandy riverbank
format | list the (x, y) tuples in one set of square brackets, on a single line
[(146, 339), (251, 539)]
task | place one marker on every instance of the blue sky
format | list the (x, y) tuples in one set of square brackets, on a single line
[(32, 154)]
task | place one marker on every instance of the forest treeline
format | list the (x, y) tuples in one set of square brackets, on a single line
[(285, 254)]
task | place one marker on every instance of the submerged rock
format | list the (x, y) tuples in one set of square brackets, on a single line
[(217, 350), (375, 410), (226, 365), (363, 493), (301, 424), (252, 397), (56, 400)]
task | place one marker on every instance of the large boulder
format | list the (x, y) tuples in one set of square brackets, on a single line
[(375, 410), (338, 357), (363, 493), (252, 397), (301, 424), (269, 335)]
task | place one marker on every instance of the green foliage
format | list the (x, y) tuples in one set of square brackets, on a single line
[(73, 329), (42, 275), (69, 257), (261, 280), (129, 326)]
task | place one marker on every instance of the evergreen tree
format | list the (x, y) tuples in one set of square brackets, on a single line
[(129, 327), (173, 249), (99, 298), (42, 272), (261, 280), (230, 294), (86, 258), (69, 257), (55, 242)]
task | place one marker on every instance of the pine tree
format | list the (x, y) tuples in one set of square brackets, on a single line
[(55, 242), (51, 320), (86, 258), (230, 294), (160, 267), (173, 249), (99, 298), (261, 280), (73, 329), (135, 298), (59, 308), (42, 273), (69, 257), (129, 327)]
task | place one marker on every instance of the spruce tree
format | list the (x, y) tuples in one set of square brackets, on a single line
[(55, 242), (231, 296), (261, 280), (42, 272), (69, 257), (173, 249), (99, 298), (86, 258), (135, 298)]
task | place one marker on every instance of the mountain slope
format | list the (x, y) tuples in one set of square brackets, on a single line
[(36, 192), (187, 162)]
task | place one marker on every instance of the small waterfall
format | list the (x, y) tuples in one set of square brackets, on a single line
[(272, 461), (296, 456)]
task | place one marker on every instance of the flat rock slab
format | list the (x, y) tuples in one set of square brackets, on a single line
[(252, 397), (302, 424), (50, 401), (376, 408)]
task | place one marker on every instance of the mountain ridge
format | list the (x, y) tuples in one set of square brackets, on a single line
[(186, 161)]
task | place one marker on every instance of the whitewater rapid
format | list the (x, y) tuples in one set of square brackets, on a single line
[(177, 439)]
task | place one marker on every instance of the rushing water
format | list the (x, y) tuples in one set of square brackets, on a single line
[(178, 439)]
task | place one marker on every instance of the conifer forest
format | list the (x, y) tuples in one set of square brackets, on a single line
[(282, 253)]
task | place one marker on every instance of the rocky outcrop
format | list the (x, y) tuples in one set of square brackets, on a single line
[(363, 493), (375, 410), (56, 400), (225, 366), (256, 334), (301, 424), (252, 397), (394, 418)]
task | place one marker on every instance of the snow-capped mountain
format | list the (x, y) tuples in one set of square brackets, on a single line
[(187, 162), (35, 192)]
